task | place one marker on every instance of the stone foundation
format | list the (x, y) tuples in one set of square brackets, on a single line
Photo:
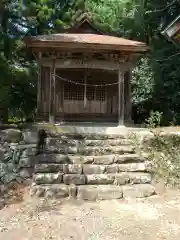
[(84, 166)]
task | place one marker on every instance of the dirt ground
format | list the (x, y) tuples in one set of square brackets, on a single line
[(155, 218)]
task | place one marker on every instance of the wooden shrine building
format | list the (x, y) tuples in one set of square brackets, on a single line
[(85, 75)]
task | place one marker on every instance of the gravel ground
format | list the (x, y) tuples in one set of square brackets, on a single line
[(156, 218)]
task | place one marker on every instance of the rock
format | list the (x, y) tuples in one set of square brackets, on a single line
[(3, 169), (107, 142), (73, 168), (30, 136), (93, 142), (79, 159), (140, 178), (29, 152), (11, 135), (76, 179), (72, 150), (105, 159), (132, 167), (138, 191), (121, 179), (2, 203), (128, 158), (112, 168), (26, 162), (11, 167), (48, 178), (87, 193), (50, 167), (51, 191), (8, 177), (107, 150), (26, 173), (99, 179), (3, 189), (51, 158), (2, 157), (38, 191), (93, 169), (104, 192)]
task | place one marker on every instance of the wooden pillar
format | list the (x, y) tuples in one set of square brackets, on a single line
[(129, 95), (120, 97), (52, 94), (39, 89)]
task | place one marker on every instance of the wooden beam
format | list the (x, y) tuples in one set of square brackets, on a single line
[(120, 97), (52, 94), (92, 64)]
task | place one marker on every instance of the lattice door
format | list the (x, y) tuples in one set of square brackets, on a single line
[(74, 97), (96, 96), (85, 99)]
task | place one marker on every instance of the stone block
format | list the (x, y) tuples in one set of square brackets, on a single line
[(102, 192), (138, 191), (114, 168), (3, 169), (51, 191), (76, 179), (118, 142), (26, 173), (8, 177), (30, 136), (121, 179), (99, 179), (93, 169), (88, 142), (72, 190), (51, 158), (128, 158), (123, 150), (2, 156), (75, 159), (140, 178), (73, 169), (49, 168), (29, 152), (11, 135), (48, 178), (105, 159), (26, 162), (132, 167)]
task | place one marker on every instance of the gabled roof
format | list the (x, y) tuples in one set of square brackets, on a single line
[(84, 35), (84, 25)]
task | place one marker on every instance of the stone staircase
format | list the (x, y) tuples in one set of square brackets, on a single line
[(91, 167)]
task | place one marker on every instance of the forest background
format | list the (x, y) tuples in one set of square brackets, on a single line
[(156, 78)]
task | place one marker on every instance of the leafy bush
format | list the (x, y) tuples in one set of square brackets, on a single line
[(164, 154), (154, 120)]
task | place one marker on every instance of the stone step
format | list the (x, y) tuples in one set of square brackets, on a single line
[(91, 168), (84, 136), (90, 150), (59, 142), (80, 159), (92, 179), (93, 192)]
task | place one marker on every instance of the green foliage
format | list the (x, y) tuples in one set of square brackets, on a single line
[(154, 120), (156, 83)]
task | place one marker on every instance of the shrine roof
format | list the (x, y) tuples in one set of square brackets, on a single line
[(84, 35), (85, 40)]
